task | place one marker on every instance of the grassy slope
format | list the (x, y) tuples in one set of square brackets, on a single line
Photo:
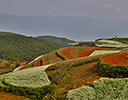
[(6, 66), (72, 74)]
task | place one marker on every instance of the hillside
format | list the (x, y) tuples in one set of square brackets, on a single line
[(63, 42), (23, 48), (82, 70), (6, 66)]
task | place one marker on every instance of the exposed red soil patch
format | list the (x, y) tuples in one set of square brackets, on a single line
[(27, 66), (23, 67), (87, 51), (119, 59), (38, 62), (45, 62), (82, 76), (22, 63), (85, 74), (66, 52), (4, 96)]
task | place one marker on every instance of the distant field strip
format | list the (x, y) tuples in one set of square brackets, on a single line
[(31, 77), (98, 52), (110, 43)]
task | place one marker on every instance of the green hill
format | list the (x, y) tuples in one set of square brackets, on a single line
[(63, 42), (23, 48)]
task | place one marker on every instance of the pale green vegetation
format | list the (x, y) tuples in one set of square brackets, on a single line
[(98, 52), (111, 43), (31, 78), (82, 93), (103, 89)]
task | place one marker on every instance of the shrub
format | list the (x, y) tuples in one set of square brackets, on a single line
[(17, 65), (61, 56), (103, 89), (114, 71)]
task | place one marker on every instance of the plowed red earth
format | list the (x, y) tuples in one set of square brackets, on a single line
[(119, 59), (66, 52), (23, 67), (45, 62), (10, 97), (22, 63), (87, 51), (38, 62)]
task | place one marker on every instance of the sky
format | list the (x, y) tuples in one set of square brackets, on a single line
[(116, 9)]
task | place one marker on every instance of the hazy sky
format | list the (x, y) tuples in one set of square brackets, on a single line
[(87, 8)]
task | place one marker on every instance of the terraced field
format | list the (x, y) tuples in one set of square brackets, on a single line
[(68, 53), (79, 69), (119, 59), (111, 43)]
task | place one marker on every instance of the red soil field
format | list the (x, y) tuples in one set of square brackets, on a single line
[(45, 62), (38, 62), (22, 63), (87, 51), (119, 59), (66, 52), (4, 96), (23, 67)]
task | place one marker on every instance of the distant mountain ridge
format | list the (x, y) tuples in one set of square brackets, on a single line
[(60, 40), (76, 28)]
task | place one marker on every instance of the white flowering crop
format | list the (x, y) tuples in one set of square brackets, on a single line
[(97, 52), (31, 78), (103, 89)]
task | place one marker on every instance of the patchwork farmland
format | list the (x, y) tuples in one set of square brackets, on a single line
[(71, 73)]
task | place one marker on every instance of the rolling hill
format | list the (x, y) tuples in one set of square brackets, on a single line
[(63, 42), (23, 48)]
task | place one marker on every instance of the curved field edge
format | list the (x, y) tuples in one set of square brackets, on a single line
[(30, 78), (102, 89), (98, 52), (75, 52), (111, 43), (2, 77), (27, 65), (115, 71)]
